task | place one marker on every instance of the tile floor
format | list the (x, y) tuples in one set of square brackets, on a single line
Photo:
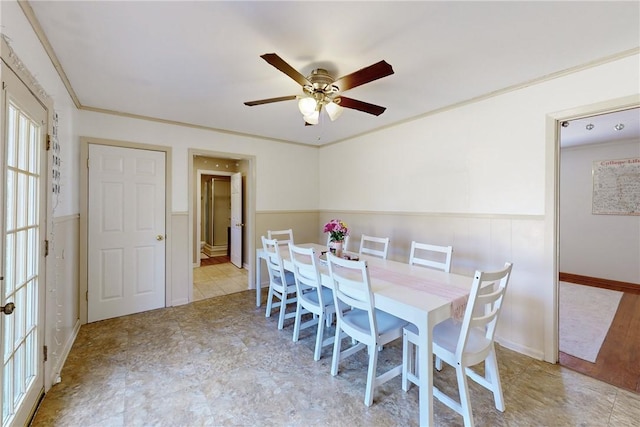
[(220, 362), (216, 276)]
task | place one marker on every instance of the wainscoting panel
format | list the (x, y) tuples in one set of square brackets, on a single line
[(304, 224), (179, 282), (480, 242), (62, 308)]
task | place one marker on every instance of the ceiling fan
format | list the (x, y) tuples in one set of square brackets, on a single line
[(321, 90)]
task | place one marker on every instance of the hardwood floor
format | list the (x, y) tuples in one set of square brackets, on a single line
[(215, 260), (618, 362)]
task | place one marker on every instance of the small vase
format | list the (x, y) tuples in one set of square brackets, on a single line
[(337, 248)]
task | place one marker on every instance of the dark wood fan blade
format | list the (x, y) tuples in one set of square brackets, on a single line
[(365, 75), (270, 100), (365, 107), (281, 65)]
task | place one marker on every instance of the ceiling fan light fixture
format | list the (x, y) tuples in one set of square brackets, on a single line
[(312, 118), (307, 105), (334, 110)]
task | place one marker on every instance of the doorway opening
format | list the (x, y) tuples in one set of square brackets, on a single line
[(597, 278), (220, 245), (213, 214)]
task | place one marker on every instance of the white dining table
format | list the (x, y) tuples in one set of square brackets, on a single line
[(415, 304)]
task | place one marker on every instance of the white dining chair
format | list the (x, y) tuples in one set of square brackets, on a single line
[(463, 344), (282, 283), (312, 297), (376, 246), (368, 327), (284, 237), (433, 256)]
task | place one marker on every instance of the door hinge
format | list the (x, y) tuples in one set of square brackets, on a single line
[(48, 144), (87, 163), (86, 296), (46, 248), (45, 352)]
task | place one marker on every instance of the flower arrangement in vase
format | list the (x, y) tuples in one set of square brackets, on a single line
[(337, 230)]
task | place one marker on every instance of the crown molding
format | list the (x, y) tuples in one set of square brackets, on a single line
[(13, 61)]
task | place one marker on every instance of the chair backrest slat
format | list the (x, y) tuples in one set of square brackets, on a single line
[(368, 245), (442, 252), (283, 236), (305, 271), (352, 286), (487, 291), (275, 266)]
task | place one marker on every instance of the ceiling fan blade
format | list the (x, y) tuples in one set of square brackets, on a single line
[(365, 107), (270, 100), (365, 75), (281, 65)]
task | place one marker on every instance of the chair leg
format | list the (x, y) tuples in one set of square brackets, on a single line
[(438, 364), (335, 360), (465, 402), (319, 336), (329, 319), (283, 309), (371, 375), (493, 378), (269, 302), (296, 324), (407, 362)]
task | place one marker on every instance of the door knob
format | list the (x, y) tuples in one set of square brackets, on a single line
[(8, 309), (159, 237)]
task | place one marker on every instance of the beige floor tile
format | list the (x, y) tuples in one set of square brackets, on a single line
[(218, 279)]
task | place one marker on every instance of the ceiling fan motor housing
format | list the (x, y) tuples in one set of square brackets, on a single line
[(322, 87)]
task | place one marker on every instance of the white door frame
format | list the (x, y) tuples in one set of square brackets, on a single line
[(200, 172), (249, 244), (552, 201), (84, 199), (20, 85)]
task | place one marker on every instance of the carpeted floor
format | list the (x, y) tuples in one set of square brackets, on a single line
[(586, 314)]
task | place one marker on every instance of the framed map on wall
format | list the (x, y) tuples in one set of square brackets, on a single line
[(616, 187)]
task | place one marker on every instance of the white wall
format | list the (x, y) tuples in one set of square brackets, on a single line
[(603, 246), (482, 170), (276, 162)]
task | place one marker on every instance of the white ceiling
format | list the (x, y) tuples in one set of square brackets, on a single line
[(197, 62), (601, 128)]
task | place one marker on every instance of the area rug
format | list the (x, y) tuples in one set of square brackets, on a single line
[(586, 314)]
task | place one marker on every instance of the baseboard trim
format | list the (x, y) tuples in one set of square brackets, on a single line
[(597, 282), (527, 351), (56, 373), (179, 301)]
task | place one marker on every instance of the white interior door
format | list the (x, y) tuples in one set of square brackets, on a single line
[(236, 219), (126, 231), (23, 219)]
